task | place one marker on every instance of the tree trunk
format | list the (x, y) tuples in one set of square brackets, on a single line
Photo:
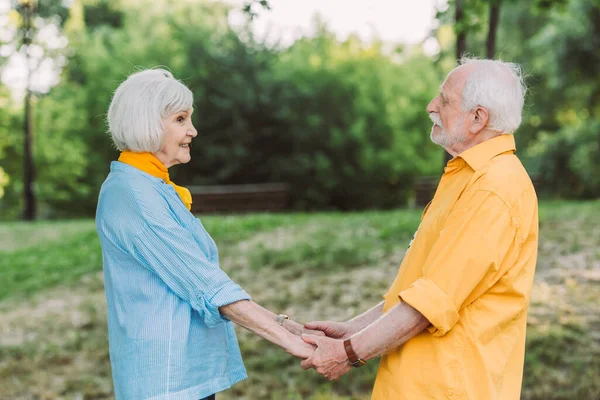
[(29, 213), (461, 34), (490, 48), (461, 45)]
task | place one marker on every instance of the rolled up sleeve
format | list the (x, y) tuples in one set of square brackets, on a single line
[(426, 296), (171, 252), (468, 257)]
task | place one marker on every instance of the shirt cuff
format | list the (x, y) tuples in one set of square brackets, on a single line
[(435, 305), (209, 308)]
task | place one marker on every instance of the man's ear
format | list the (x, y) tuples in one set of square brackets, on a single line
[(480, 118)]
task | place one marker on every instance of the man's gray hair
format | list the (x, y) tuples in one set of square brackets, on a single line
[(139, 105), (497, 86)]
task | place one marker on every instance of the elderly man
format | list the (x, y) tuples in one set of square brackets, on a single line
[(452, 325)]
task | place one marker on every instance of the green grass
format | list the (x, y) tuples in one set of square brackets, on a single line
[(31, 269), (45, 254), (311, 266), (19, 235)]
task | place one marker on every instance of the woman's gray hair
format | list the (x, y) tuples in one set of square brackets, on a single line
[(139, 105), (497, 86)]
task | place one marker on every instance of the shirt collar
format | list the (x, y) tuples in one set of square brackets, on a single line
[(481, 154)]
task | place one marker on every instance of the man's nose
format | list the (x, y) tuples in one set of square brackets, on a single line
[(432, 106)]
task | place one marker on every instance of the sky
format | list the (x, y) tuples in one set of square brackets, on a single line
[(406, 21), (397, 21)]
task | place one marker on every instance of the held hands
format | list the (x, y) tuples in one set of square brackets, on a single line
[(298, 329), (298, 348), (324, 349), (329, 359)]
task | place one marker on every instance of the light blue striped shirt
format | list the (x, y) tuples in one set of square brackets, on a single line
[(164, 288)]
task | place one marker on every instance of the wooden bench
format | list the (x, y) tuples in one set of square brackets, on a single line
[(239, 198)]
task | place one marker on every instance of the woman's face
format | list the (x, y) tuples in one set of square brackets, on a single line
[(179, 134)]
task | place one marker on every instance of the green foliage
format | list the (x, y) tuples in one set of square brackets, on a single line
[(342, 123), (356, 123), (556, 45), (60, 154), (4, 180), (567, 149), (569, 159), (4, 143)]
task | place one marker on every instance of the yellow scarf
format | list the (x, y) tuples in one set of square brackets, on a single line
[(148, 163)]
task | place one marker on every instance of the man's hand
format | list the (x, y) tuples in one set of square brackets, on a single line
[(299, 329), (335, 330), (329, 359), (299, 348)]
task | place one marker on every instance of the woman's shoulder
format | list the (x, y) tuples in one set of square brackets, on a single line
[(124, 178), (130, 190)]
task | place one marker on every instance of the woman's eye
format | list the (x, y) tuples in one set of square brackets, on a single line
[(180, 119)]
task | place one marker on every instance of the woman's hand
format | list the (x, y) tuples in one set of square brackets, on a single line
[(299, 329), (334, 330), (264, 323), (299, 348)]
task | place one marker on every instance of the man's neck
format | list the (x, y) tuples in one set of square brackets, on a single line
[(470, 141)]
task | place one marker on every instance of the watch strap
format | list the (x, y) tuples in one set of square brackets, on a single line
[(352, 357)]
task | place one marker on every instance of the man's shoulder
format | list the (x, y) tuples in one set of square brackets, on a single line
[(506, 177)]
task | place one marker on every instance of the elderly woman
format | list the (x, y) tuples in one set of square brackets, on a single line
[(169, 303)]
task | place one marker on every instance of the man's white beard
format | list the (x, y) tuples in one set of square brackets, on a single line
[(444, 138)]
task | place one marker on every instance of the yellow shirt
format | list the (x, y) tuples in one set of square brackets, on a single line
[(469, 271)]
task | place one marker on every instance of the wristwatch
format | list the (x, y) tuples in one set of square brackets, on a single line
[(355, 361), (280, 318)]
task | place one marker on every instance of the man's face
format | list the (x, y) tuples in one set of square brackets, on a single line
[(445, 111)]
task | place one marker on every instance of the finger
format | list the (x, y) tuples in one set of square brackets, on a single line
[(306, 364), (319, 325), (323, 372), (310, 339), (341, 372), (334, 376), (304, 354), (313, 332)]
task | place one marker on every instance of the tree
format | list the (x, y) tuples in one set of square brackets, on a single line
[(490, 48), (28, 43), (461, 29), (342, 123), (27, 9), (250, 7)]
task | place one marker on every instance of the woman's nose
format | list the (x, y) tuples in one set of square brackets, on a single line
[(192, 131)]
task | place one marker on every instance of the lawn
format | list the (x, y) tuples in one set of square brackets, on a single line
[(53, 342)]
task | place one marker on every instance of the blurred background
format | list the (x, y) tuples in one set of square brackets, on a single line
[(310, 170)]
